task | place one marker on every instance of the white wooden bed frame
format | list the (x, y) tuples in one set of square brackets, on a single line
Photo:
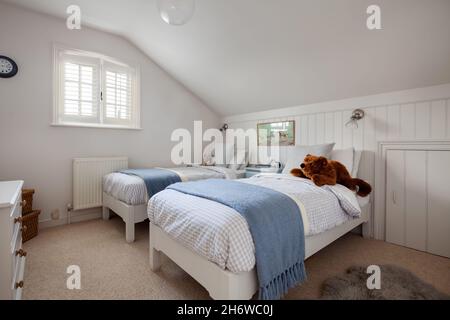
[(225, 285), (129, 214)]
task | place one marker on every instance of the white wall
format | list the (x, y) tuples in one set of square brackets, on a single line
[(417, 114), (42, 155), (252, 55)]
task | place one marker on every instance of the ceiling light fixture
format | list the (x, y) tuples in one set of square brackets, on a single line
[(176, 12)]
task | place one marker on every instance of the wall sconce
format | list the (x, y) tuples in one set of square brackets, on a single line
[(224, 128), (357, 115)]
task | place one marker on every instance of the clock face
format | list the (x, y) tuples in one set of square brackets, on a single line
[(5, 66), (8, 68)]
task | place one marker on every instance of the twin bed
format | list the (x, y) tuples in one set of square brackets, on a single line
[(127, 196), (212, 241)]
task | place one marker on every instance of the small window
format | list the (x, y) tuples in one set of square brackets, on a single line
[(94, 90)]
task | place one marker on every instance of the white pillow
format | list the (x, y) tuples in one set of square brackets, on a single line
[(344, 156), (298, 153), (356, 161)]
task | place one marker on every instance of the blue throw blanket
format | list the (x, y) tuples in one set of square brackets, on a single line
[(275, 224), (156, 180)]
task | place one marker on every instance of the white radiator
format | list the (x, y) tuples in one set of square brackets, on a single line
[(87, 179)]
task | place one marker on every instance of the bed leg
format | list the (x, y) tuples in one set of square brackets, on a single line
[(129, 226), (366, 231), (229, 291), (155, 259), (105, 211), (129, 231), (154, 255)]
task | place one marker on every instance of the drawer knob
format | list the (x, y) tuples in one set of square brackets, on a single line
[(23, 203), (19, 285), (18, 220), (21, 253)]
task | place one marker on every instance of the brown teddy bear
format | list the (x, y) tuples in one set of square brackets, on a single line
[(328, 172)]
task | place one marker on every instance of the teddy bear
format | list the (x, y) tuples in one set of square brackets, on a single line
[(328, 172)]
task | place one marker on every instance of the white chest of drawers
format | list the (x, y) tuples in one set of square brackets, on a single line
[(12, 257)]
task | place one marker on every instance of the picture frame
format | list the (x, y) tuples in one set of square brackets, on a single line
[(277, 133)]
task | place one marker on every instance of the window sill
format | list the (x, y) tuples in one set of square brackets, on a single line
[(94, 126)]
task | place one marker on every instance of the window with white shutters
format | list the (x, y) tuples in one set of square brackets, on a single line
[(80, 91), (118, 96), (93, 90)]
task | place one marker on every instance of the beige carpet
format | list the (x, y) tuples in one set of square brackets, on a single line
[(113, 269)]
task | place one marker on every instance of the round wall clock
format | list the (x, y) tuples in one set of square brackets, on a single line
[(8, 68)]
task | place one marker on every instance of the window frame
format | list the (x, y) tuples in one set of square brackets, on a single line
[(60, 120)]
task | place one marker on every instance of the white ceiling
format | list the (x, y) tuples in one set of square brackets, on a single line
[(251, 55)]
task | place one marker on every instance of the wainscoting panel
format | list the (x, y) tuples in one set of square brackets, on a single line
[(413, 115), (412, 121)]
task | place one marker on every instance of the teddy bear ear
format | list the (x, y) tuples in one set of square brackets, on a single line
[(324, 161)]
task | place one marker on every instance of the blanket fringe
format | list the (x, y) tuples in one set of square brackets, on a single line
[(280, 285)]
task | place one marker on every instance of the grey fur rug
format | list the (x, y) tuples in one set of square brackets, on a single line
[(396, 284)]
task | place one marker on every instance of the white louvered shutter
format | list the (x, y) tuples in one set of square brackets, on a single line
[(79, 89), (118, 95)]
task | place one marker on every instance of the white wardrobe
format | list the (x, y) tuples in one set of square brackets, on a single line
[(417, 196)]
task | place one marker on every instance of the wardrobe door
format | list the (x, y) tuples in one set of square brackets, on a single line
[(439, 203), (406, 198), (395, 198), (416, 200)]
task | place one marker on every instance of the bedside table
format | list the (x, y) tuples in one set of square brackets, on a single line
[(251, 171)]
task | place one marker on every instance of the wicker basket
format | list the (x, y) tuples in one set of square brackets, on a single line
[(27, 195), (30, 223)]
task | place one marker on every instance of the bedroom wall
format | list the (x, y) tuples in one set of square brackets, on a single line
[(418, 114), (42, 155)]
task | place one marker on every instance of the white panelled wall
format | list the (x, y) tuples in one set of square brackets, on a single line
[(411, 121), (411, 115)]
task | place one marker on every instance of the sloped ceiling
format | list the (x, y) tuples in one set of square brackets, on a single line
[(244, 56)]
